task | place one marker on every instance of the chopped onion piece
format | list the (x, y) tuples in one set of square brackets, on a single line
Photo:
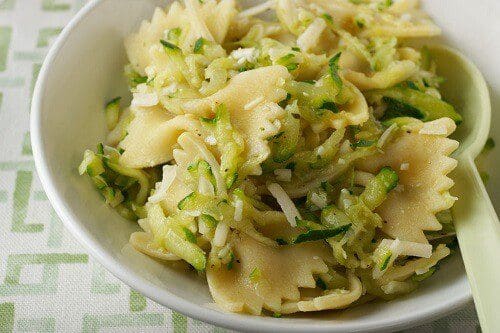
[(286, 204)]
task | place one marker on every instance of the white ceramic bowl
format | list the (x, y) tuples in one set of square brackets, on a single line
[(82, 71)]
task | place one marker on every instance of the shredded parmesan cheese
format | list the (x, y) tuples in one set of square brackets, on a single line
[(387, 135), (319, 201), (221, 232), (205, 187), (398, 248), (404, 166), (161, 188), (194, 213), (286, 204), (321, 150), (238, 210), (309, 38), (144, 99), (345, 147), (259, 9), (211, 140), (244, 55), (170, 89), (283, 175)]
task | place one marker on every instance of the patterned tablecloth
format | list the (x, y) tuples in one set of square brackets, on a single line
[(48, 282)]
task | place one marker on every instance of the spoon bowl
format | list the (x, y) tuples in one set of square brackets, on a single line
[(465, 89)]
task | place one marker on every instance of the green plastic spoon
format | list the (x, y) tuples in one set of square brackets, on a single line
[(476, 223)]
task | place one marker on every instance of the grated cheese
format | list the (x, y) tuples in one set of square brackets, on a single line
[(205, 187), (144, 99), (211, 140), (220, 235), (319, 201), (238, 210), (244, 55), (283, 175), (309, 38), (287, 206), (259, 9), (161, 188), (387, 135)]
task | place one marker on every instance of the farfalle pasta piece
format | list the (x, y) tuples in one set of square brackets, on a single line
[(218, 17), (395, 73), (142, 242), (210, 20), (251, 99), (355, 112), (256, 86), (138, 44), (332, 299), (282, 271), (422, 164), (421, 27), (256, 127), (151, 137), (419, 266), (403, 20)]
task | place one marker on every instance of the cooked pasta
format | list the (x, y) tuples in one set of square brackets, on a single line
[(300, 163)]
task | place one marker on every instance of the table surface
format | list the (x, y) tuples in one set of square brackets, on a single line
[(48, 282)]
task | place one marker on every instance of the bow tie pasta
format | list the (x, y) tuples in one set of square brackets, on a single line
[(299, 164)]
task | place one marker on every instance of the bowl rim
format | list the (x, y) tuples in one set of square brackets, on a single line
[(228, 320)]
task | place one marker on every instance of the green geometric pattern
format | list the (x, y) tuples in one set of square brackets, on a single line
[(48, 283)]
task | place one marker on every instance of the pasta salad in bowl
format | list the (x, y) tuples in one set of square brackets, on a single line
[(298, 160)]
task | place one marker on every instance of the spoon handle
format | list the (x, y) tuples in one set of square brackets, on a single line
[(478, 233)]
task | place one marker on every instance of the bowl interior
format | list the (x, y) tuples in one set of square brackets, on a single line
[(81, 74)]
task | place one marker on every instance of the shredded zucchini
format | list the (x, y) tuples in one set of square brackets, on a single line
[(229, 142), (377, 189), (407, 102)]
